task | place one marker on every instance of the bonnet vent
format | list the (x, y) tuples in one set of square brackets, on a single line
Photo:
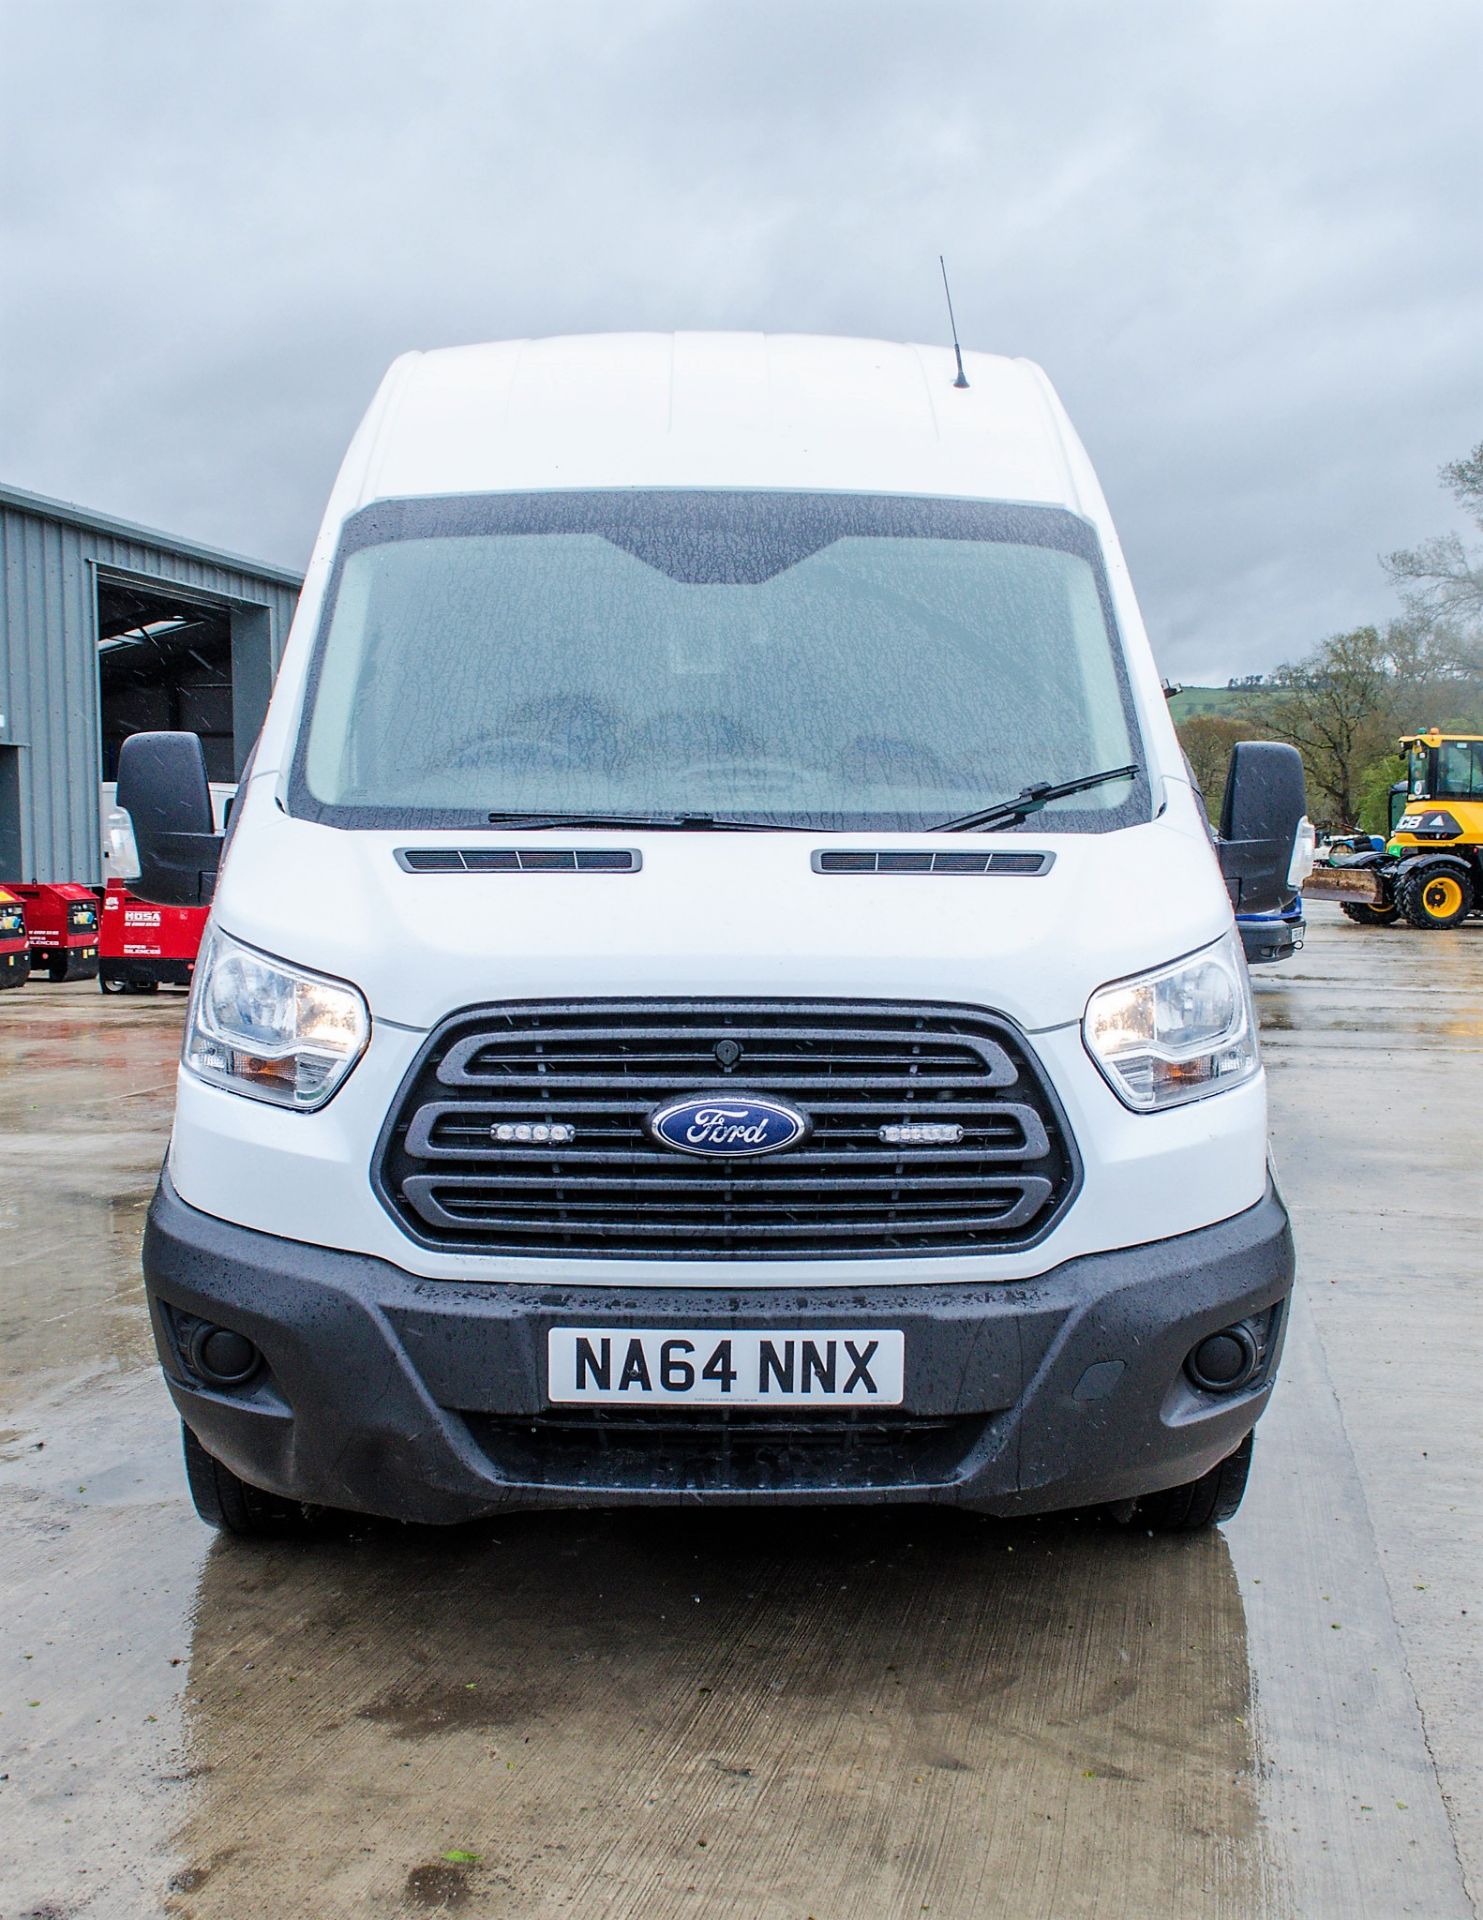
[(519, 859), (893, 861)]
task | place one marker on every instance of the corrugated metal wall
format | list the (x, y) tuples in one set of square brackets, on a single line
[(48, 658)]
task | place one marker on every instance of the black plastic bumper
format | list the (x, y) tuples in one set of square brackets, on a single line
[(1267, 941), (425, 1400)]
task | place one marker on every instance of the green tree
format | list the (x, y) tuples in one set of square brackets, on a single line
[(1441, 580), (1338, 707), (1374, 793), (1207, 739), (1438, 674)]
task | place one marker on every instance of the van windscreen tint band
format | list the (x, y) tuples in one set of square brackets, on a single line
[(832, 662)]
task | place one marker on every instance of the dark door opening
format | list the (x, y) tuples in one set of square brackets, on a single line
[(11, 851), (164, 663)]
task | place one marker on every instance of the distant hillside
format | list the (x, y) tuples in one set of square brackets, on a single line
[(1229, 702)]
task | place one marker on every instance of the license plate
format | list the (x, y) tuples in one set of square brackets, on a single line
[(641, 1366)]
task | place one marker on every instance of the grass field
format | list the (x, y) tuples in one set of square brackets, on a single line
[(1230, 703)]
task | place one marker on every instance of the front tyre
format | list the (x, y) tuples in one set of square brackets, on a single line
[(1435, 897), (1364, 916), (232, 1506), (1198, 1504)]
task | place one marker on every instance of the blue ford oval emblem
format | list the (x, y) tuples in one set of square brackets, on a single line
[(727, 1125)]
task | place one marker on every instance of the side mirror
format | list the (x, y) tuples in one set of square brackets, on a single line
[(162, 787), (1264, 831), (1400, 793)]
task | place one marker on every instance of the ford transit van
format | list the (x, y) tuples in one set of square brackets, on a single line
[(719, 985)]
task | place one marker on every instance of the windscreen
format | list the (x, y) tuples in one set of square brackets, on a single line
[(792, 660)]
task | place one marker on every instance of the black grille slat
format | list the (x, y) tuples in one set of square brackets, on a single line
[(700, 1186), (435, 1196), (800, 1083), (465, 1064), (613, 1191)]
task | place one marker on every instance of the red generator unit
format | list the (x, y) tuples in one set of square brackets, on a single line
[(15, 947), (144, 945), (61, 925)]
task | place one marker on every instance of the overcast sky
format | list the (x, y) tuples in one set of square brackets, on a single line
[(1244, 240)]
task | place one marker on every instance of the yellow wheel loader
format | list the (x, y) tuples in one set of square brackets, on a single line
[(1431, 872)]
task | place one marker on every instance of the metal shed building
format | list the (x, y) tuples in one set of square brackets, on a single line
[(108, 629)]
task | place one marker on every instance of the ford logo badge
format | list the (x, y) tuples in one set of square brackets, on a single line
[(727, 1126)]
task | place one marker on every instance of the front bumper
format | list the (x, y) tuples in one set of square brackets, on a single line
[(1266, 940), (425, 1400)]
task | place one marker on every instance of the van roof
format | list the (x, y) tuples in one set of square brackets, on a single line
[(721, 410)]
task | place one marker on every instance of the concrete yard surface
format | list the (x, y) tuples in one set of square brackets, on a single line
[(862, 1715)]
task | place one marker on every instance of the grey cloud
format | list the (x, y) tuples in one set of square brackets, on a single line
[(1243, 240)]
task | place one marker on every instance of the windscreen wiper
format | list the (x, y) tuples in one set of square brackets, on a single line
[(647, 822), (1030, 800)]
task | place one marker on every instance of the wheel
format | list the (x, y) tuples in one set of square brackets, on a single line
[(232, 1506), (107, 984), (1200, 1503), (1435, 897), (1369, 916)]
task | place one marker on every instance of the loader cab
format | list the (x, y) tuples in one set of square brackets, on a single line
[(1444, 766), (1443, 795), (1437, 843)]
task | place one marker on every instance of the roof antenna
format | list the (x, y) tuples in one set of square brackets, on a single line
[(962, 379)]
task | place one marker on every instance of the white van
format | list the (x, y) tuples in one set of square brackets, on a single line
[(720, 987)]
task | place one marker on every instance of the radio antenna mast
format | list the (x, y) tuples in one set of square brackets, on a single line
[(962, 379)]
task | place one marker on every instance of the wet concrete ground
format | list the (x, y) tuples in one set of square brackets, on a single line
[(765, 1717)]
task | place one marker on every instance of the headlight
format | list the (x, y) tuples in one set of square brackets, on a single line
[(1177, 1033), (271, 1031)]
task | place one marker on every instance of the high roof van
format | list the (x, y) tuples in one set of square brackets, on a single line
[(720, 987)]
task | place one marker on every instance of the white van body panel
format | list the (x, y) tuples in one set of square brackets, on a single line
[(730, 411), (449, 1348), (306, 1177), (789, 411)]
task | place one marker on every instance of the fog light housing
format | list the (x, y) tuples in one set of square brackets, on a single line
[(224, 1358), (1224, 1362)]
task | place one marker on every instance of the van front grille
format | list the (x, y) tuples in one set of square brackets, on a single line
[(521, 1130), (706, 1451)]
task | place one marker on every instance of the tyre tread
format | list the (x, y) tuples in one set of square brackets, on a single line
[(1201, 1503), (231, 1505), (1409, 898)]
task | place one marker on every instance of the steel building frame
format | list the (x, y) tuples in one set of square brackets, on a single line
[(52, 556)]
